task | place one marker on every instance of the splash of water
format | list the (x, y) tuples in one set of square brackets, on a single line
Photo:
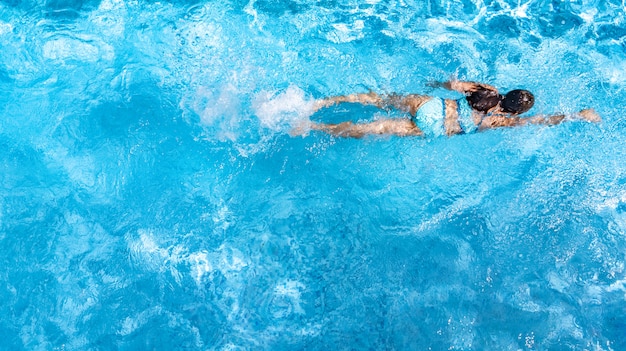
[(283, 111)]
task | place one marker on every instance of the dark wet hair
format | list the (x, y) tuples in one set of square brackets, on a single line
[(517, 101), (483, 99)]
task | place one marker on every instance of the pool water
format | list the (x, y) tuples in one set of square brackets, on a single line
[(152, 197)]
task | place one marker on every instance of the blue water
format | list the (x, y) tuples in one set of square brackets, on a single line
[(151, 197)]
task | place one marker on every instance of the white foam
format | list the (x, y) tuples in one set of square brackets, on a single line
[(200, 265), (250, 10), (290, 290), (81, 169), (64, 48), (283, 111), (230, 261), (148, 254), (218, 108), (589, 15), (109, 18), (520, 11), (131, 324), (5, 28), (557, 283), (345, 33)]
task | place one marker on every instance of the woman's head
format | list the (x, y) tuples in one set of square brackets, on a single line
[(517, 101), (483, 99)]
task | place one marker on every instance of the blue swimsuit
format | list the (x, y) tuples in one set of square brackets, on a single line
[(430, 116)]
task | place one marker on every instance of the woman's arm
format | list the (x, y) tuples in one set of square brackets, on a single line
[(463, 87), (499, 121)]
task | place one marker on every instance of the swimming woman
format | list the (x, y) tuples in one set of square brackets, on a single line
[(482, 108)]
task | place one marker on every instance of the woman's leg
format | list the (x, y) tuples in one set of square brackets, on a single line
[(370, 98), (398, 127), (407, 103)]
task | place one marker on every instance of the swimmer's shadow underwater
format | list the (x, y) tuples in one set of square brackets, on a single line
[(482, 108)]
